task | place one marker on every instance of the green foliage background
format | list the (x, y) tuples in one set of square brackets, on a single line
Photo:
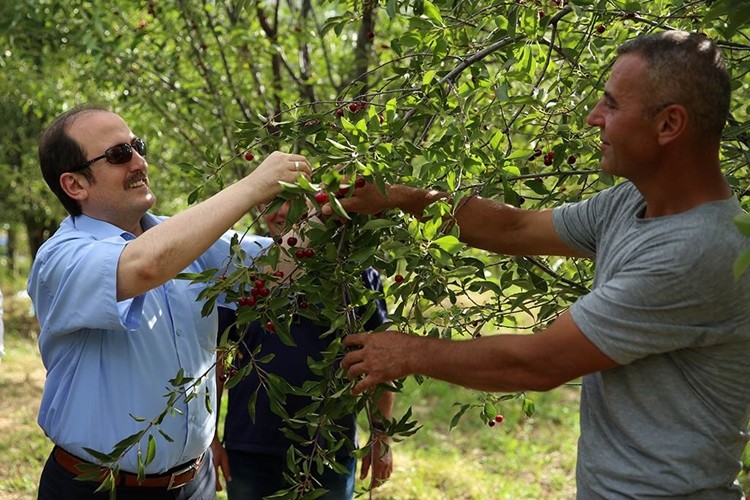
[(456, 95)]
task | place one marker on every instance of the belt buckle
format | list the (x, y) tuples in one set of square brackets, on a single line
[(174, 483)]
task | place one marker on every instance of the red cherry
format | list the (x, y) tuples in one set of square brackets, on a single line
[(278, 274), (600, 29), (270, 326), (354, 107), (548, 160), (321, 197), (571, 159), (300, 254), (360, 182), (343, 191), (291, 241), (537, 152), (303, 304), (398, 278), (499, 419), (339, 112), (247, 301), (264, 292), (260, 283), (255, 291), (309, 252), (249, 156), (491, 423), (541, 14)]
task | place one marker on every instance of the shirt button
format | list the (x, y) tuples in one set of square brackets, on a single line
[(179, 332)]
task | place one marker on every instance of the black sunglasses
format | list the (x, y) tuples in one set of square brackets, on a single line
[(119, 153)]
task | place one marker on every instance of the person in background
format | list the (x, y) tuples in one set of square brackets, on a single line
[(256, 449), (115, 324), (661, 340)]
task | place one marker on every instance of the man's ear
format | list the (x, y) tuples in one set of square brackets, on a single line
[(75, 185), (672, 122)]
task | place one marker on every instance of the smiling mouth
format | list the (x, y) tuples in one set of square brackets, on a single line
[(137, 181)]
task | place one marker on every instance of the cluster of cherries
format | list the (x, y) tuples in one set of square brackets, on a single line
[(354, 107), (259, 291), (497, 420), (300, 253), (549, 157), (322, 197)]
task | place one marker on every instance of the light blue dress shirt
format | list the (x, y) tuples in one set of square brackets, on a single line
[(108, 361)]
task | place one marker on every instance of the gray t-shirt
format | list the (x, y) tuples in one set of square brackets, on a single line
[(671, 421)]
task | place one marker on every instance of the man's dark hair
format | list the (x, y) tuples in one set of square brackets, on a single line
[(688, 69), (59, 153)]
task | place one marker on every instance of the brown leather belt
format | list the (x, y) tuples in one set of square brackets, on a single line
[(175, 478)]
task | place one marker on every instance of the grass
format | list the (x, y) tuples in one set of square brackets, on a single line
[(23, 446), (522, 458)]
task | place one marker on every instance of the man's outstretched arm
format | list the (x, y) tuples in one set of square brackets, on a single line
[(498, 363)]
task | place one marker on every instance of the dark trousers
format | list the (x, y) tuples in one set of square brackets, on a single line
[(57, 483), (256, 476)]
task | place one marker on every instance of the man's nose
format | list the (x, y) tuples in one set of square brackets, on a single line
[(594, 119)]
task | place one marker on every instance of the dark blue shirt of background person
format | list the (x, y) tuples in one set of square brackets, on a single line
[(257, 450)]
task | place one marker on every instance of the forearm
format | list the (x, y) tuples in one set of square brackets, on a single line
[(498, 363), (489, 224), (163, 251)]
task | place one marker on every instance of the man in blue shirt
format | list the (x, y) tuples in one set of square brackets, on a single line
[(116, 326), (256, 449)]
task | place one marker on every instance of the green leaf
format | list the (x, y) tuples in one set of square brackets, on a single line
[(457, 417), (741, 264), (432, 12), (337, 208), (742, 222), (251, 404), (449, 243), (178, 379), (377, 224), (98, 455), (338, 145), (528, 407), (166, 436), (391, 8), (151, 449)]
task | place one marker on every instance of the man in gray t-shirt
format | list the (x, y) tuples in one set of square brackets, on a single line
[(664, 306), (661, 338)]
